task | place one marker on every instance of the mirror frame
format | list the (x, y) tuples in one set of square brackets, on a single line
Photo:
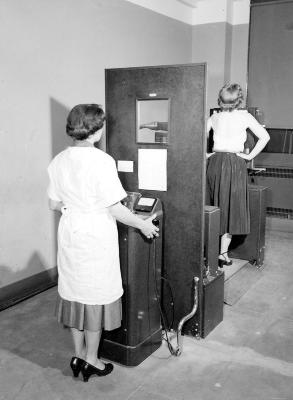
[(136, 120)]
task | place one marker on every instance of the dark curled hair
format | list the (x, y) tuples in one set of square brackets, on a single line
[(230, 97), (84, 120)]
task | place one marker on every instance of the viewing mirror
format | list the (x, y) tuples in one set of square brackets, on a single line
[(152, 121)]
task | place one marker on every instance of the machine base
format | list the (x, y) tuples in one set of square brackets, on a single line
[(131, 356), (210, 308), (213, 303)]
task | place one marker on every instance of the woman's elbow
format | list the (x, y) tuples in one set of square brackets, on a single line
[(267, 138), (264, 137), (114, 209)]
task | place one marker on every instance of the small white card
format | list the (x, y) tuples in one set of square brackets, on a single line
[(125, 166)]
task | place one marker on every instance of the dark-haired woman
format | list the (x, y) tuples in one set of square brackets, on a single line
[(85, 187), (226, 166)]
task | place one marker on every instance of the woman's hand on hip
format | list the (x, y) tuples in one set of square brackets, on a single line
[(208, 155), (244, 156)]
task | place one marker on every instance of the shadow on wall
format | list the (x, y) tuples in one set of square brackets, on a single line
[(39, 275), (59, 114), (60, 141), (35, 263)]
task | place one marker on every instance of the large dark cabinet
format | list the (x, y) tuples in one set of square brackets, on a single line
[(183, 201)]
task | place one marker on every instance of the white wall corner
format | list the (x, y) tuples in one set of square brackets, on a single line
[(212, 11), (209, 11), (198, 12), (240, 12), (171, 8)]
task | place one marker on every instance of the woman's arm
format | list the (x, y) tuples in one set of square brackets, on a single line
[(262, 135), (55, 205), (124, 215)]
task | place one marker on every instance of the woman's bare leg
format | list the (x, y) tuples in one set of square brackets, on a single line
[(225, 243), (92, 340), (79, 342)]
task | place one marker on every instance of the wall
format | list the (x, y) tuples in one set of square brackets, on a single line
[(239, 57), (224, 47), (53, 56), (213, 54)]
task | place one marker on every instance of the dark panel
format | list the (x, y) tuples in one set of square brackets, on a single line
[(259, 2), (280, 191), (281, 141), (211, 239), (251, 247), (270, 62), (183, 203)]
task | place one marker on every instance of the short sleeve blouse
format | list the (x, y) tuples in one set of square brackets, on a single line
[(84, 178), (230, 129)]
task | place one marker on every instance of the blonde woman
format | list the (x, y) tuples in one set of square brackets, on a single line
[(226, 178)]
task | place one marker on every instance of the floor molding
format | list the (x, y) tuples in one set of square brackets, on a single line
[(26, 288)]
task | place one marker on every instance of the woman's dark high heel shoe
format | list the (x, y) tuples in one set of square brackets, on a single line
[(87, 370), (221, 262), (76, 365)]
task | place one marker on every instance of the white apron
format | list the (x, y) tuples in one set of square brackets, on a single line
[(85, 179)]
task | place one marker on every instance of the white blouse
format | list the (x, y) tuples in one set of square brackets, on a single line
[(230, 130), (85, 179)]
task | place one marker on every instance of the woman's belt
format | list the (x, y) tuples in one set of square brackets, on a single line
[(66, 210)]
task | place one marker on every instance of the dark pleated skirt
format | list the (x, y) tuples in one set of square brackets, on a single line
[(226, 188), (90, 317)]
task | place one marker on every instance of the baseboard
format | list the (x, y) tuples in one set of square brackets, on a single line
[(28, 287)]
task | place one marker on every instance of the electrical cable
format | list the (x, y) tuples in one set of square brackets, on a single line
[(172, 300), (164, 325), (148, 290)]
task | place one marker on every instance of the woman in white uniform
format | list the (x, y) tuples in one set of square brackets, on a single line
[(226, 167), (84, 186)]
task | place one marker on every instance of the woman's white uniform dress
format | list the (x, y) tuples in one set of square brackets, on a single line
[(85, 180), (227, 176)]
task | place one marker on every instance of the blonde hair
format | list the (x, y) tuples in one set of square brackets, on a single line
[(230, 97)]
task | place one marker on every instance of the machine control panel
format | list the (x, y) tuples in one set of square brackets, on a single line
[(145, 204)]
